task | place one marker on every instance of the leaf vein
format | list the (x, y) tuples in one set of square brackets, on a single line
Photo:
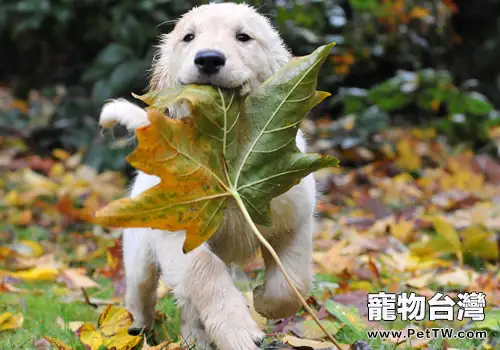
[(270, 119)]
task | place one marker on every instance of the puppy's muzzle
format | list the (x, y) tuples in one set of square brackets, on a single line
[(209, 61)]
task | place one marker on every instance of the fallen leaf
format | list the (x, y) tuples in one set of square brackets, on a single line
[(456, 277), (76, 279), (408, 156), (491, 321), (227, 147), (27, 248), (112, 330), (357, 298), (44, 261), (347, 315), (261, 321), (421, 281), (334, 261), (43, 344), (74, 325), (309, 329), (60, 322), (167, 345), (419, 12), (402, 229), (480, 242), (10, 321), (58, 344), (37, 274), (315, 344), (447, 231), (90, 336)]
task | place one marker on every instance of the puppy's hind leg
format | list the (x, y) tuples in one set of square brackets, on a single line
[(141, 277)]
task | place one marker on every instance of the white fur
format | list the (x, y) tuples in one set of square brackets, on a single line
[(213, 310), (122, 112)]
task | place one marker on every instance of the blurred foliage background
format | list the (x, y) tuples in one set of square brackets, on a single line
[(397, 63)]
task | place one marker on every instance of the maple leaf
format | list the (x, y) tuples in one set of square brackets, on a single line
[(111, 331), (9, 321), (230, 147), (57, 343)]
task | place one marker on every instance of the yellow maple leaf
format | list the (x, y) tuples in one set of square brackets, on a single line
[(446, 230), (408, 156), (112, 330), (481, 242), (9, 321), (402, 229), (37, 274), (419, 12)]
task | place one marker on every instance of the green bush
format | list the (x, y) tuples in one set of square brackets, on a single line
[(393, 58)]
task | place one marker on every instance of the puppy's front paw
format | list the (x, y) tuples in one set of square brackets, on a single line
[(193, 334), (235, 330)]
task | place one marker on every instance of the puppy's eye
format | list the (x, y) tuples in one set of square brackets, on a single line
[(188, 38), (243, 37)]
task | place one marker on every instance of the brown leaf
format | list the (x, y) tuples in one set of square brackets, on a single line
[(358, 299), (167, 345), (314, 344), (85, 214), (76, 279), (58, 344), (333, 261), (489, 167)]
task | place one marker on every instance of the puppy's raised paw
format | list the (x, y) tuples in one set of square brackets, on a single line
[(124, 113)]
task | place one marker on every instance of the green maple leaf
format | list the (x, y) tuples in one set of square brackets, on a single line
[(230, 147)]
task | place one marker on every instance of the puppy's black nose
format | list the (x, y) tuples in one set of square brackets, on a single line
[(209, 61)]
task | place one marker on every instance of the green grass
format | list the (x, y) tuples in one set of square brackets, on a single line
[(42, 311), (40, 314)]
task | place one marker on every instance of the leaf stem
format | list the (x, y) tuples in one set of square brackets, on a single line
[(276, 258)]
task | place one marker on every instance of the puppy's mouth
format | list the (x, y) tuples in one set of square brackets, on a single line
[(216, 84)]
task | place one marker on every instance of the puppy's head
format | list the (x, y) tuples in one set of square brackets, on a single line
[(226, 45)]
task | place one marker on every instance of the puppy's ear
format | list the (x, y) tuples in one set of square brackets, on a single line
[(159, 76), (283, 55), (154, 76), (280, 55)]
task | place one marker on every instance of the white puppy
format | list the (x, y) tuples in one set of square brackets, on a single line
[(231, 46)]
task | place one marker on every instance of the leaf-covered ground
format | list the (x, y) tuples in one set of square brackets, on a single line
[(415, 216)]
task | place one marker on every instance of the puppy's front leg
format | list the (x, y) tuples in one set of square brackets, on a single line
[(203, 284), (141, 277), (275, 299)]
